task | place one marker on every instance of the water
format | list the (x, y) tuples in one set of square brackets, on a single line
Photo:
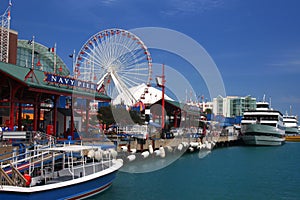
[(226, 173)]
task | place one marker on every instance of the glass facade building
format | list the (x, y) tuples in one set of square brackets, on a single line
[(44, 59), (232, 106)]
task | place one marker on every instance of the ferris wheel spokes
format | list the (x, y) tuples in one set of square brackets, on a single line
[(115, 58)]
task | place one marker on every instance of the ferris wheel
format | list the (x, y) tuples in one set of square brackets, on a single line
[(116, 60)]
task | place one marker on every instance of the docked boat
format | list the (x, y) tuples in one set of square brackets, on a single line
[(263, 126), (293, 138), (291, 128), (62, 172), (291, 124)]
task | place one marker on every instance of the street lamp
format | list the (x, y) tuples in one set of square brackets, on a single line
[(160, 81)]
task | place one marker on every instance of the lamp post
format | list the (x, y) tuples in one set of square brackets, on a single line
[(160, 81)]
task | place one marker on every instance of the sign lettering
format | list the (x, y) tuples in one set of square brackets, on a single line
[(62, 80)]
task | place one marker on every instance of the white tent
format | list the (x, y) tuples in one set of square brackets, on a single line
[(150, 95)]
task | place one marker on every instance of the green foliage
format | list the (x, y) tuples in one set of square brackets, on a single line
[(136, 117), (105, 115), (27, 120), (112, 114)]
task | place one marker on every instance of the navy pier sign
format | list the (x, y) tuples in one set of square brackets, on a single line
[(68, 81)]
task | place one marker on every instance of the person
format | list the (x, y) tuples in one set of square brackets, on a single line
[(28, 178), (1, 133)]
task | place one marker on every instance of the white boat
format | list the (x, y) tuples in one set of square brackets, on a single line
[(291, 124), (64, 172), (263, 126)]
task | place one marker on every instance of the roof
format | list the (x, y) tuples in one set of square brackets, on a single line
[(44, 55), (36, 82), (150, 97)]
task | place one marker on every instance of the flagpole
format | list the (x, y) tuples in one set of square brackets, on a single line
[(32, 54), (54, 67), (73, 62)]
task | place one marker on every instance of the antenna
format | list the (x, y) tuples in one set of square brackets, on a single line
[(4, 32)]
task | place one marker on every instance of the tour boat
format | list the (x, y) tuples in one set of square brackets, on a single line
[(263, 126), (291, 124), (75, 172)]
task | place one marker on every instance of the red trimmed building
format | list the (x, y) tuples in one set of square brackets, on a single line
[(42, 91)]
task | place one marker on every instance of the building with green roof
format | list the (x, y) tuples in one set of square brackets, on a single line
[(26, 84), (44, 58)]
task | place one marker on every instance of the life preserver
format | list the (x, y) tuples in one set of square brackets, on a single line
[(28, 179)]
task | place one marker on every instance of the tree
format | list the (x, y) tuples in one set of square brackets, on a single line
[(112, 114), (136, 117), (105, 115)]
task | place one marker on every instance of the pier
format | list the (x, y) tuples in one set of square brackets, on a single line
[(140, 145)]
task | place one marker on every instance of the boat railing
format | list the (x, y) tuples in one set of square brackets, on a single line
[(5, 179), (85, 169), (22, 157), (16, 178), (41, 164), (75, 168), (71, 165)]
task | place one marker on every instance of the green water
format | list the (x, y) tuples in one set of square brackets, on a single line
[(226, 173)]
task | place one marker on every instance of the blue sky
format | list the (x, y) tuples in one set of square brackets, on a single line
[(255, 44)]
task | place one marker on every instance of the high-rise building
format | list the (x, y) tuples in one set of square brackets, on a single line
[(232, 106)]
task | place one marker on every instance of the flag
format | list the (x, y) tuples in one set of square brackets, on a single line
[(71, 55), (51, 49), (39, 63), (29, 42)]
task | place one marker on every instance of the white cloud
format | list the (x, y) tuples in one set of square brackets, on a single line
[(290, 100), (190, 7), (286, 62), (108, 2)]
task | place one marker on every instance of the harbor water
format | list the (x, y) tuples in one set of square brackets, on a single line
[(238, 172)]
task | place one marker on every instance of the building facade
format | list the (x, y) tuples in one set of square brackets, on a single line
[(232, 106)]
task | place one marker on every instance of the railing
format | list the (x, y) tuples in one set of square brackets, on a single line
[(30, 137), (16, 179)]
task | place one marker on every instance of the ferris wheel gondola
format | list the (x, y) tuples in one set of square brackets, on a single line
[(116, 60)]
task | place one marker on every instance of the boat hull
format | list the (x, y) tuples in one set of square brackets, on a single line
[(262, 140), (262, 135), (291, 130), (75, 191), (292, 138)]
